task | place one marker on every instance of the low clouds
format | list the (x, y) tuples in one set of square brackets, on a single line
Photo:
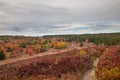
[(39, 17)]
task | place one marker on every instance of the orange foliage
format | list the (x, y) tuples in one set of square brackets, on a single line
[(52, 44), (29, 51), (3, 49), (7, 45)]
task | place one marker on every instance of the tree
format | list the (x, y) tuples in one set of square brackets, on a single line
[(81, 44), (2, 55), (43, 48)]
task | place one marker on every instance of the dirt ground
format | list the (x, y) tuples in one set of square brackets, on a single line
[(90, 74)]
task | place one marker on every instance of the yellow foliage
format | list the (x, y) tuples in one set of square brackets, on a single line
[(60, 45), (106, 52), (110, 74), (81, 53)]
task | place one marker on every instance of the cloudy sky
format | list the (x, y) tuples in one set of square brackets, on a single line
[(43, 17)]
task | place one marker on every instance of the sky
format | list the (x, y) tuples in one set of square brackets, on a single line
[(51, 17)]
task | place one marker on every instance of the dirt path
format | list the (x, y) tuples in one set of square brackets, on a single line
[(12, 60), (90, 75), (43, 54)]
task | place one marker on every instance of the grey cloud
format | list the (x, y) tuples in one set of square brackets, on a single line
[(39, 17)]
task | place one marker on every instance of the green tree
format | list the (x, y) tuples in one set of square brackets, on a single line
[(43, 48), (81, 44), (2, 55)]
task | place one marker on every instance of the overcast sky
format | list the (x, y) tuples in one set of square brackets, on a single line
[(46, 17)]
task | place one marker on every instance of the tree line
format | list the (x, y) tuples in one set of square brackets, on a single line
[(103, 38)]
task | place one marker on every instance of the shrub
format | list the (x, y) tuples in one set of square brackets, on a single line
[(9, 49), (81, 44), (81, 53), (12, 54), (63, 66), (3, 49), (36, 48), (29, 51), (22, 45), (2, 56), (43, 48), (109, 64), (52, 44), (94, 52), (60, 45), (46, 42), (110, 74)]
